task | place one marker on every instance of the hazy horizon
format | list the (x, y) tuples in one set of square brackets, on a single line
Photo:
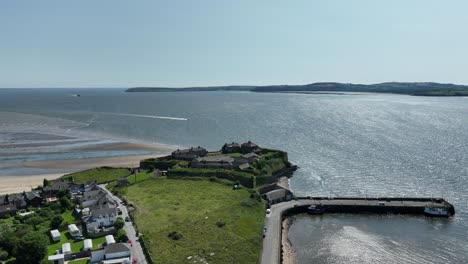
[(92, 44)]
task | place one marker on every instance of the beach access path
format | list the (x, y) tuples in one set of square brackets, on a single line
[(137, 251)]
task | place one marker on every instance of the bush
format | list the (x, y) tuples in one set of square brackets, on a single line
[(3, 254), (121, 236), (56, 222), (119, 223), (175, 236), (220, 224), (32, 248)]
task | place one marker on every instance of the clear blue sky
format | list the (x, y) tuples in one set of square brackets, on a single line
[(111, 43)]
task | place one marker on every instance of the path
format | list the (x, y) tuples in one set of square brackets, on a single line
[(137, 251)]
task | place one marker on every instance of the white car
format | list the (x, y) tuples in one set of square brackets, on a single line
[(268, 211)]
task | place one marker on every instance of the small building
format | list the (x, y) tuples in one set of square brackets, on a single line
[(87, 244), (244, 166), (33, 198), (57, 259), (213, 162), (74, 231), (248, 147), (110, 240), (231, 148), (117, 251), (55, 235), (55, 186), (189, 154), (9, 209), (279, 195), (251, 157), (66, 248)]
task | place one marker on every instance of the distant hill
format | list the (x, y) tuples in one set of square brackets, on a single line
[(416, 88)]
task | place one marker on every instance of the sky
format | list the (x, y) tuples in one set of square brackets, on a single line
[(175, 43)]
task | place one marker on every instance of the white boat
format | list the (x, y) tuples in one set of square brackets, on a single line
[(436, 212)]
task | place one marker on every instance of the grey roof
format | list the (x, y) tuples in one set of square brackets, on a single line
[(187, 151), (32, 195), (249, 144), (277, 194), (117, 247), (217, 158), (244, 166), (250, 155), (103, 211), (8, 208)]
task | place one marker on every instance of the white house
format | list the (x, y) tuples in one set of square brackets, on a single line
[(57, 259), (99, 218), (110, 239), (66, 248), (74, 231), (55, 235), (87, 244)]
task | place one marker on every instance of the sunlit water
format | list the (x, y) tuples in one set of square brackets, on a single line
[(374, 145)]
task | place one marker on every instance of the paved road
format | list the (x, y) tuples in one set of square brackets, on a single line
[(137, 251), (272, 241)]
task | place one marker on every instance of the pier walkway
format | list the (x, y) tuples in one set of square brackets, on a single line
[(271, 253)]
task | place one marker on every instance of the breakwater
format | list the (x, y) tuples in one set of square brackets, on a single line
[(381, 205), (272, 248)]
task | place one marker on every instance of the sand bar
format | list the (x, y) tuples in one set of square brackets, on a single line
[(14, 184)]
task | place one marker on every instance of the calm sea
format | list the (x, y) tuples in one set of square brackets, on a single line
[(364, 144)]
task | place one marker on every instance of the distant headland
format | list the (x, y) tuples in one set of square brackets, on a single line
[(413, 88)]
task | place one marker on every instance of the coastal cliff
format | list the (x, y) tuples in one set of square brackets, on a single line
[(409, 88)]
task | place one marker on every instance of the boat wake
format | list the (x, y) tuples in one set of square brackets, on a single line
[(148, 116)]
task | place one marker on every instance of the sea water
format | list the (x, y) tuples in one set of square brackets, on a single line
[(345, 145)]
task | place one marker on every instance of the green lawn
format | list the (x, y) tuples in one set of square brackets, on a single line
[(209, 216), (101, 175), (79, 261), (76, 246), (142, 176)]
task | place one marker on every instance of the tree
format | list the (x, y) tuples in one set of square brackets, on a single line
[(32, 248), (65, 203), (45, 183), (56, 222), (121, 236), (119, 223)]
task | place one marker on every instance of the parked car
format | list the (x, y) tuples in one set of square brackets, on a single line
[(264, 231), (268, 211), (127, 219)]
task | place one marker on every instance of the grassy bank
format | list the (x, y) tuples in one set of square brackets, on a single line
[(182, 218), (101, 175)]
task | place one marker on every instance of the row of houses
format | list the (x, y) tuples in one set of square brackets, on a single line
[(10, 204), (224, 161), (198, 152)]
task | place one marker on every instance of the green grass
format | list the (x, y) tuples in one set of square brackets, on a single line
[(142, 176), (68, 217), (79, 261), (76, 246), (192, 208), (101, 175)]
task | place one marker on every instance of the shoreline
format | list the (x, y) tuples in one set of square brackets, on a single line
[(19, 183), (288, 254)]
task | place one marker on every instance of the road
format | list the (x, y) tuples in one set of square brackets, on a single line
[(137, 251), (272, 241)]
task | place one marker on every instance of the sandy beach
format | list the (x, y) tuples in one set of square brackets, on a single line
[(19, 183), (24, 175)]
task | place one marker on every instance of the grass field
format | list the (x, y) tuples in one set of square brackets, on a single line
[(76, 246), (210, 220), (101, 175)]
